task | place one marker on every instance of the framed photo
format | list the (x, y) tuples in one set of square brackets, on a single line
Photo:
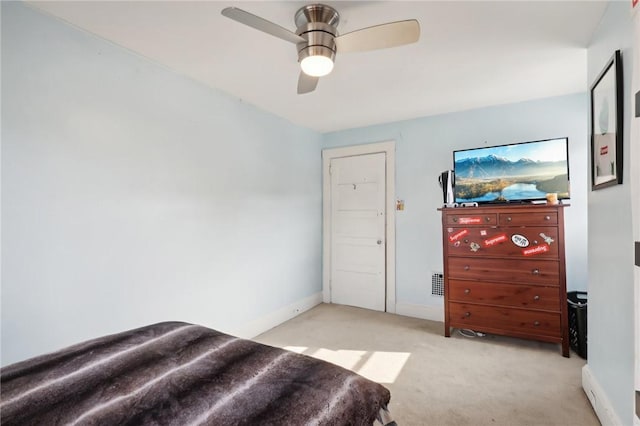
[(606, 125)]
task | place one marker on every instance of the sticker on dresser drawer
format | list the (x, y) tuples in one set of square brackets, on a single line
[(489, 242), (546, 238), (520, 240), (455, 237), (469, 220), (539, 249)]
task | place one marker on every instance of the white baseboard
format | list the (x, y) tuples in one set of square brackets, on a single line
[(598, 399), (272, 319), (433, 313)]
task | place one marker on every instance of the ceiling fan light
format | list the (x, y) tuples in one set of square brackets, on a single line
[(316, 65)]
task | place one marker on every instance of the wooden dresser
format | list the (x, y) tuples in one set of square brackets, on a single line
[(504, 271)]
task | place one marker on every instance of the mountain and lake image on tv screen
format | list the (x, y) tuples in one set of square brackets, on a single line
[(516, 172)]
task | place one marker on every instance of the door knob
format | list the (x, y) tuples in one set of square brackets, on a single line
[(379, 242)]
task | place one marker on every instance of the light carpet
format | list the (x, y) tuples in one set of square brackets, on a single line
[(434, 380)]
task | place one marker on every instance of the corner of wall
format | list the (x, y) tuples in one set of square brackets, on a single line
[(275, 318)]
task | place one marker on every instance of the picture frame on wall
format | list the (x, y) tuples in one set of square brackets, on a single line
[(606, 125)]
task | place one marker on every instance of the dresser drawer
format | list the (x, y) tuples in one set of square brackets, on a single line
[(514, 295), (531, 218), (474, 219), (543, 272), (532, 241), (489, 318)]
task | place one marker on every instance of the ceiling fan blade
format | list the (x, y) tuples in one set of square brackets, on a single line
[(261, 24), (306, 83), (381, 36)]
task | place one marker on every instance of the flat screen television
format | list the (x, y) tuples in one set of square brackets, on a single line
[(518, 172)]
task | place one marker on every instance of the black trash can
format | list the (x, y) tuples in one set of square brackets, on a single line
[(577, 301)]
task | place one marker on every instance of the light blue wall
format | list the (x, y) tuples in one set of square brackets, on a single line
[(132, 195), (424, 149), (610, 310)]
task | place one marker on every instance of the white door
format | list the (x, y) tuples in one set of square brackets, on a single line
[(358, 188)]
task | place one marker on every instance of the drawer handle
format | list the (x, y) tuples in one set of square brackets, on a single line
[(509, 219), (455, 219), (547, 218), (467, 267), (536, 271), (536, 297), (467, 291), (487, 219), (467, 314), (536, 323)]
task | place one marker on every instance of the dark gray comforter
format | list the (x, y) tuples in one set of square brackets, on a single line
[(175, 373)]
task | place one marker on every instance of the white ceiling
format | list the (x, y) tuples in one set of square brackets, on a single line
[(470, 54)]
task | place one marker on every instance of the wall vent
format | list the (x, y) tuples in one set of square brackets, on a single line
[(437, 284)]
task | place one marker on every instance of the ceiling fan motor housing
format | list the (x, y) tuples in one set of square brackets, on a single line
[(317, 23)]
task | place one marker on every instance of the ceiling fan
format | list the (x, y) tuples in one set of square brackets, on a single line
[(317, 38)]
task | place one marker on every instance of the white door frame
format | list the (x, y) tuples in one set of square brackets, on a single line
[(389, 148)]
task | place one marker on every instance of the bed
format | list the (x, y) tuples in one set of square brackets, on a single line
[(175, 373)]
